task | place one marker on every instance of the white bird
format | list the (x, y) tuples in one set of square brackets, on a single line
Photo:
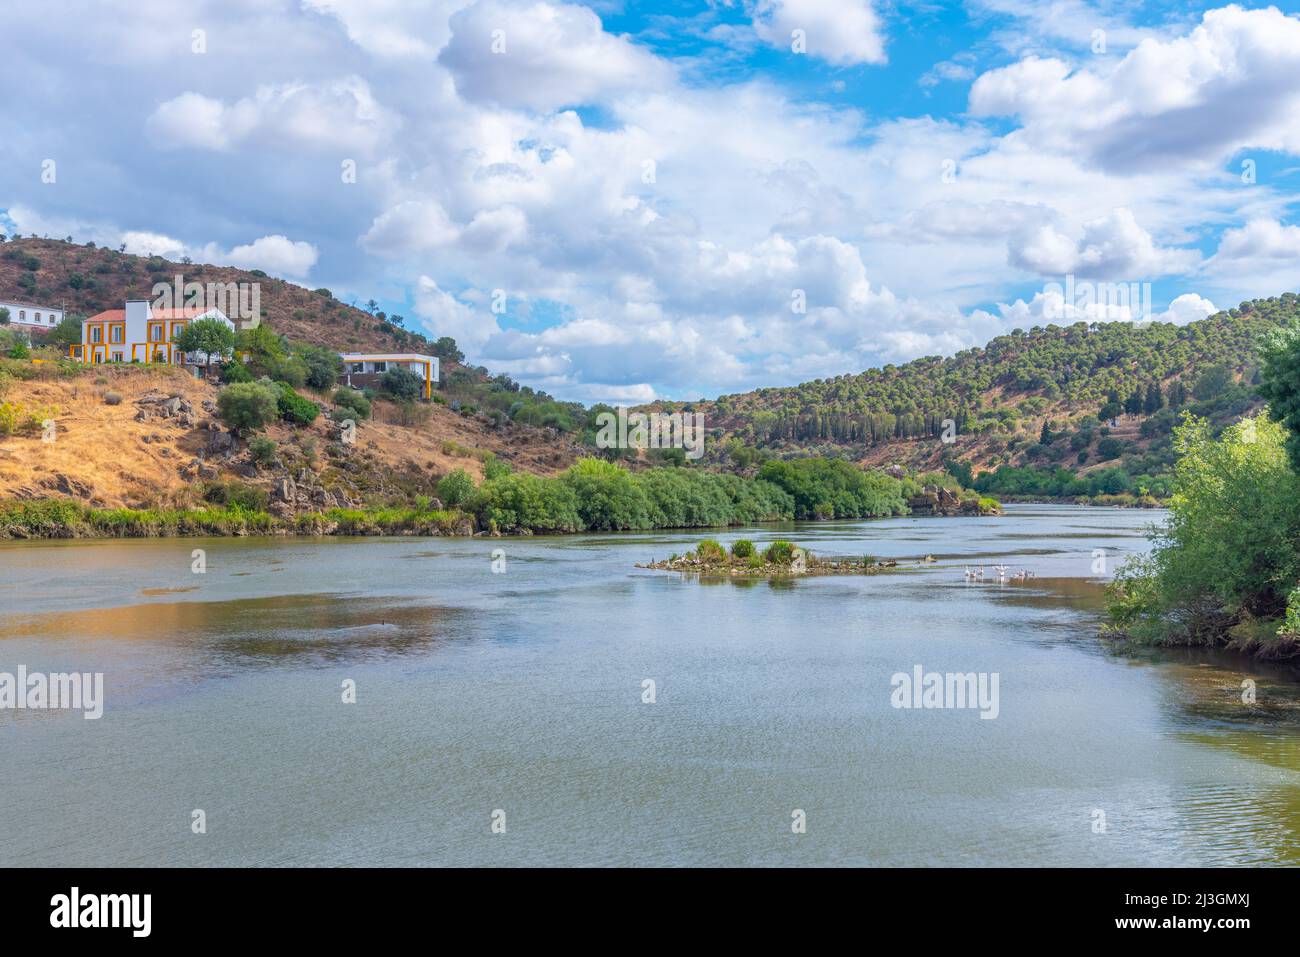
[(1001, 570), (968, 574)]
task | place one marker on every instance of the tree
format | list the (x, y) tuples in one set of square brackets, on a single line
[(210, 336), (446, 349), (4, 316), (1154, 399), (66, 333), (1280, 386), (1212, 383), (247, 406), (323, 366), (1133, 404), (455, 487), (402, 384)]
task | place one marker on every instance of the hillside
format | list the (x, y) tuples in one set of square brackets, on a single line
[(114, 447), (87, 279), (1103, 394)]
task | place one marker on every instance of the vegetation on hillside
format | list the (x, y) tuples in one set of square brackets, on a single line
[(1225, 569)]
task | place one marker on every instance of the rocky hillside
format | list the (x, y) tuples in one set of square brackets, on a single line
[(144, 437)]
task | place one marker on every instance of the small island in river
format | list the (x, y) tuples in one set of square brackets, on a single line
[(781, 559)]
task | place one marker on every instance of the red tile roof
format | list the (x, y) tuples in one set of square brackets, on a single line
[(111, 315)]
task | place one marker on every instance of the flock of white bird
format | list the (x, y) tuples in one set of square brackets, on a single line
[(1000, 573)]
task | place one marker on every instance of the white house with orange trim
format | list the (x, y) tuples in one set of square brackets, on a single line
[(140, 333), (362, 369)]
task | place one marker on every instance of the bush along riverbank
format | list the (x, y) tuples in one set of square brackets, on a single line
[(592, 495), (1223, 570), (781, 559)]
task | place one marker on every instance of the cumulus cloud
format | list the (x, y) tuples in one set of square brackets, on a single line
[(275, 255), (413, 226), (393, 28), (339, 113), (542, 56), (1189, 307), (1112, 247), (1260, 239), (1228, 85), (842, 32), (442, 314)]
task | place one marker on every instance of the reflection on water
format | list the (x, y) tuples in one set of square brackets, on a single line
[(524, 691)]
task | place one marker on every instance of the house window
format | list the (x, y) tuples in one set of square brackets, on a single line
[(156, 332), (160, 355), (96, 334), (115, 335), (38, 317), (117, 357), (177, 329), (22, 315), (381, 366)]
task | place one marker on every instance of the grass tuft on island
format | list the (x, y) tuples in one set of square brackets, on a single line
[(781, 559)]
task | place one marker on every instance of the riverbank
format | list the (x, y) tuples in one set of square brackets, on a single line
[(70, 519)]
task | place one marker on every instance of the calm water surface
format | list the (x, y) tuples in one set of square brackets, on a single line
[(523, 692)]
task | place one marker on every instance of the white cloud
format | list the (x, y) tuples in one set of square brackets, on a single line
[(842, 32), (442, 314), (340, 114), (410, 227), (1189, 307), (1260, 239), (1197, 99), (275, 255), (551, 55), (1113, 247), (497, 229), (393, 28)]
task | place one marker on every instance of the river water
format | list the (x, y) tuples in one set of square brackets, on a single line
[(520, 697)]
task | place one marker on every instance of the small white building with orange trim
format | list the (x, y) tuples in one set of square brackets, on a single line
[(363, 369), (140, 333)]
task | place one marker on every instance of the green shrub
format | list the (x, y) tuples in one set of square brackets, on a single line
[(402, 384), (779, 552), (742, 548), (236, 495), (352, 400), (494, 468), (455, 487), (294, 408), (707, 550), (262, 450), (235, 371), (247, 406)]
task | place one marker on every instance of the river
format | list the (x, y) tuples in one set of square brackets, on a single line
[(503, 715)]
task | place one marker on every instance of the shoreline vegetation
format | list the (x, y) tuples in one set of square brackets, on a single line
[(1224, 570), (592, 495), (781, 559)]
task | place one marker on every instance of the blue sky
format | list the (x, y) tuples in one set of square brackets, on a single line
[(652, 190)]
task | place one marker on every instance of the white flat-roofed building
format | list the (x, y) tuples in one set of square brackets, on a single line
[(28, 315), (361, 369)]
